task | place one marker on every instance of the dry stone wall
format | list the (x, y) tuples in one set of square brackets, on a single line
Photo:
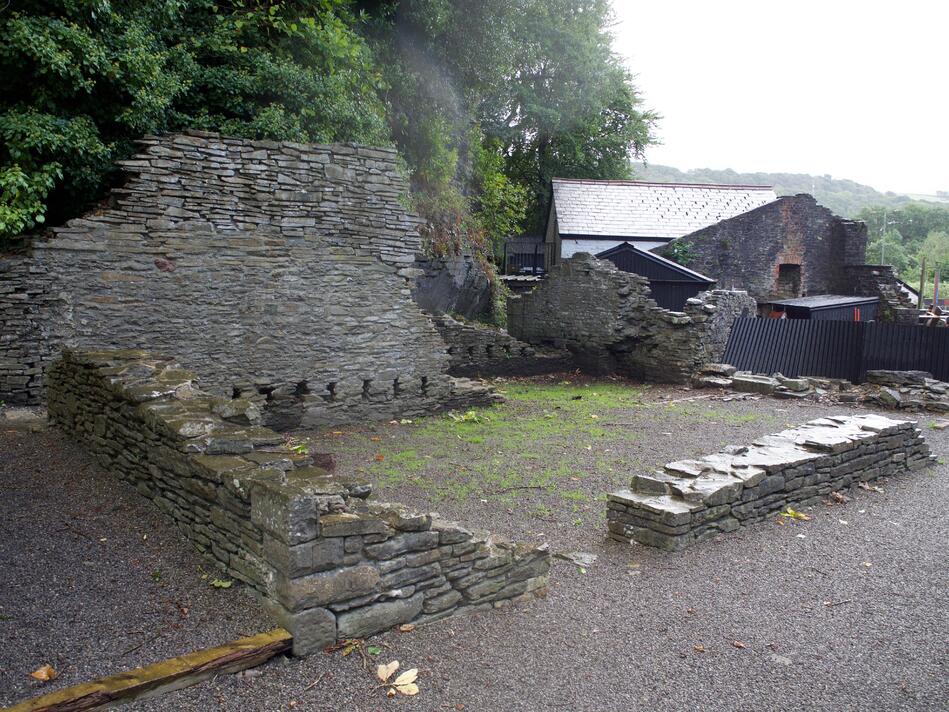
[(481, 350), (328, 563), (609, 322), (693, 500), (282, 271)]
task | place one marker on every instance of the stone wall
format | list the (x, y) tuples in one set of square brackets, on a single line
[(279, 270), (28, 307), (328, 563), (881, 281), (480, 350), (693, 500), (608, 321), (747, 251)]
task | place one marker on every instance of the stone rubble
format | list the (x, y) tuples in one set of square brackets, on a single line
[(691, 501), (328, 563), (914, 391)]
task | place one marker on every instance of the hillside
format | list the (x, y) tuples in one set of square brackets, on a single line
[(844, 197)]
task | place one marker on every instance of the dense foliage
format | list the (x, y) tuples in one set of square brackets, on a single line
[(486, 100), (903, 237)]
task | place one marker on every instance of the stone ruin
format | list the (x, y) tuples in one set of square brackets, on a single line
[(280, 272), (913, 391), (327, 561), (608, 321), (694, 500)]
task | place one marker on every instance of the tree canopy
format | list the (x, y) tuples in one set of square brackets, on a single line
[(486, 101)]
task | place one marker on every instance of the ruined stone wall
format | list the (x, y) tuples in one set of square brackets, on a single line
[(328, 564), (480, 350), (277, 269), (693, 500), (607, 319), (746, 251), (881, 281)]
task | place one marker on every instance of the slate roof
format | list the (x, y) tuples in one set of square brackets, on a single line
[(824, 301), (636, 209), (658, 260)]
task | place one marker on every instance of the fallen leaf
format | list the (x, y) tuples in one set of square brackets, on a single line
[(384, 672), (699, 648), (409, 690), (222, 583), (375, 438), (45, 673), (738, 644), (373, 650), (406, 627), (380, 458), (794, 514), (406, 678)]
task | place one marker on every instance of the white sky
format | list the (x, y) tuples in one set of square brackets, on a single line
[(856, 90)]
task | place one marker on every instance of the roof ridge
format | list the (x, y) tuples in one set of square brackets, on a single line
[(736, 186)]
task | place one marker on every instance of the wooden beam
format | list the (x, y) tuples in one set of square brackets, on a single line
[(166, 676)]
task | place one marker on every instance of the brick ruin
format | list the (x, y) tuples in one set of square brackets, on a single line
[(693, 500), (789, 248), (608, 321), (279, 271), (328, 562)]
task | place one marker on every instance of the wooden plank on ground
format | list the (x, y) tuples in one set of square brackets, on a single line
[(166, 676)]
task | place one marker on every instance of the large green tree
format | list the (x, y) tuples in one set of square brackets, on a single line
[(84, 78)]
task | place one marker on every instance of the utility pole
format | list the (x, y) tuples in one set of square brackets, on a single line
[(883, 240), (922, 285)]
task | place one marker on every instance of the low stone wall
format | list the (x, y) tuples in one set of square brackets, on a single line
[(328, 564), (881, 281), (693, 500), (607, 319), (480, 350)]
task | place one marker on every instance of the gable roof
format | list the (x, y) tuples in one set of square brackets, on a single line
[(667, 266), (636, 209)]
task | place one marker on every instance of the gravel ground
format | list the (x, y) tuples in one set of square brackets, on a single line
[(848, 611), (94, 579)]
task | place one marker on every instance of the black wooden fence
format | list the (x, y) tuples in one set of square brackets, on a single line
[(836, 349)]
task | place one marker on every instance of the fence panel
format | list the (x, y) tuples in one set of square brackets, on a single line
[(836, 349)]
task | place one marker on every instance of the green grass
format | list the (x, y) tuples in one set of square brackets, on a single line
[(543, 442)]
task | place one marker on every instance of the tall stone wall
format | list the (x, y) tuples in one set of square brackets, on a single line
[(607, 319), (747, 251), (279, 270), (328, 563)]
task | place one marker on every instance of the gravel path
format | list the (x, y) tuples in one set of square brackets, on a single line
[(848, 611), (95, 579)]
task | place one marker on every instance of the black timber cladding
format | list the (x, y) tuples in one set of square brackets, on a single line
[(836, 349), (671, 284)]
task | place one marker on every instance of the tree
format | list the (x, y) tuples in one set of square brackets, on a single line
[(87, 77)]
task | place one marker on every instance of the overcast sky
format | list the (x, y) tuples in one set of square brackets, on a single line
[(856, 90)]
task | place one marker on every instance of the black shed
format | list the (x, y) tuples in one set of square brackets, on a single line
[(671, 283), (828, 307)]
